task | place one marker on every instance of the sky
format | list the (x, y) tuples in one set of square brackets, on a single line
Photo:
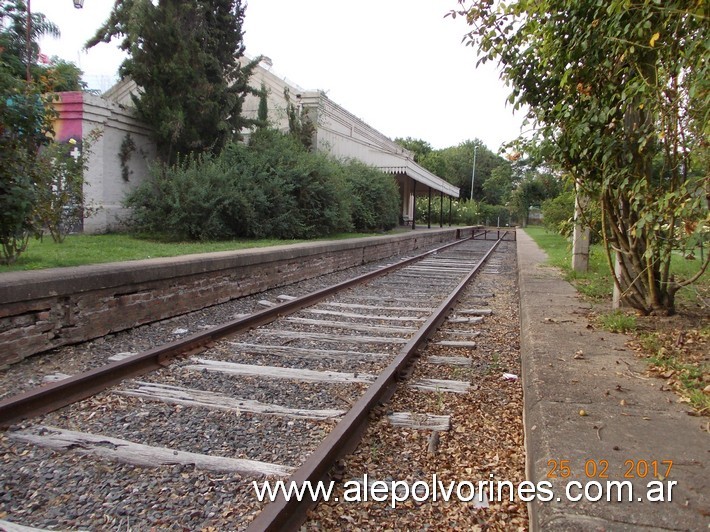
[(399, 65)]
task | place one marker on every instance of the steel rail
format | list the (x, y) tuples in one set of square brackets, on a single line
[(283, 514), (50, 397)]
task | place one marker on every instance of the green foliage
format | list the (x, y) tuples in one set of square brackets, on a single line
[(186, 58), (306, 194), (420, 148), (273, 187), (13, 36), (430, 214), (374, 197), (618, 94), (40, 184), (617, 322), (59, 186), (59, 76), (462, 212), (558, 213), (300, 124), (558, 216), (17, 198), (498, 186), (455, 165), (24, 127), (128, 146), (195, 199), (262, 114)]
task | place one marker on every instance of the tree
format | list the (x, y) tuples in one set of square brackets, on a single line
[(40, 183), (455, 165), (57, 75), (13, 36), (60, 75), (618, 92), (499, 185), (59, 185), (25, 125), (262, 114), (186, 57), (419, 147), (527, 193), (300, 125)]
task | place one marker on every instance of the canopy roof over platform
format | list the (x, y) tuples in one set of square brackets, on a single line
[(422, 176)]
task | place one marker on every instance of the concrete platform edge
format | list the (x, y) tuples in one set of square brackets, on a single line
[(598, 408)]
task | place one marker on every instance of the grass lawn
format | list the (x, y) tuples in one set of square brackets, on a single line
[(676, 348), (596, 283), (93, 249)]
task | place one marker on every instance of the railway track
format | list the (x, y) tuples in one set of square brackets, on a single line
[(280, 393)]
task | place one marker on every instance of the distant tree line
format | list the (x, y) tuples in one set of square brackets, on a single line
[(504, 189)]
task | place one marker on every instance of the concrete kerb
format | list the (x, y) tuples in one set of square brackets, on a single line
[(591, 416)]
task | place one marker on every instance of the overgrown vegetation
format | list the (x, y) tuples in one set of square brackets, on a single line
[(273, 187), (374, 198)]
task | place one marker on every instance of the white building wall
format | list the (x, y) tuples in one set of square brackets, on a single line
[(276, 99), (338, 132), (105, 186)]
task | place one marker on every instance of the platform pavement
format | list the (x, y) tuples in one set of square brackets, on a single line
[(588, 402)]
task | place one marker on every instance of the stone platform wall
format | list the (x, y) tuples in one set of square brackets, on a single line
[(41, 310)]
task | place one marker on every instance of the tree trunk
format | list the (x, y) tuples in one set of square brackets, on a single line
[(580, 236)]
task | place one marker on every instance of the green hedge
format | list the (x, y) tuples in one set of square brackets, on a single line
[(273, 187)]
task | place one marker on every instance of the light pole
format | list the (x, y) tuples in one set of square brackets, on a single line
[(473, 174)]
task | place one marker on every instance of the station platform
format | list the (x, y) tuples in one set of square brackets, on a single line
[(596, 426)]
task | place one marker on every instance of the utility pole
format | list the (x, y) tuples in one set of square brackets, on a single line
[(473, 174)]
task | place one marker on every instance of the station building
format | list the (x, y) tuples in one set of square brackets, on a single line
[(121, 154)]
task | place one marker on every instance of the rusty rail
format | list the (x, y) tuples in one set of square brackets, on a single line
[(283, 514), (50, 397), (509, 235)]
